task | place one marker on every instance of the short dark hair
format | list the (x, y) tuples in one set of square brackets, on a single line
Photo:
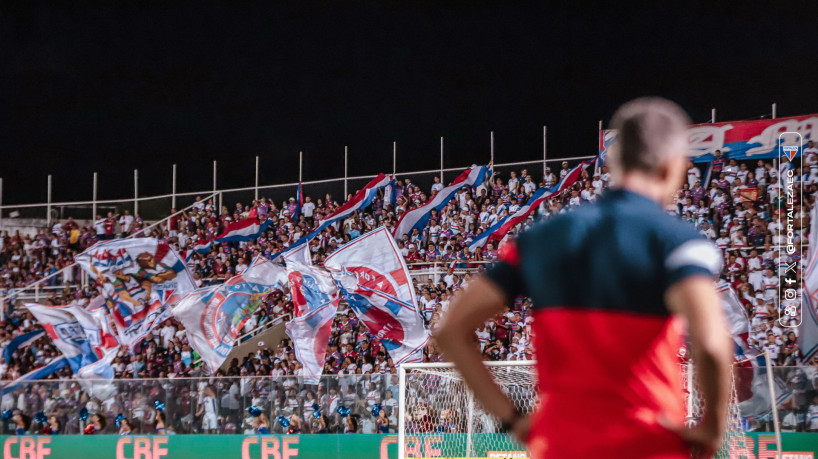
[(649, 130)]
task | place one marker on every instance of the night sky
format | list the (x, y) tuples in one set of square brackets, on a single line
[(112, 88)]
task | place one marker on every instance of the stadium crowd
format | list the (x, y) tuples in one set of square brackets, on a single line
[(737, 208)]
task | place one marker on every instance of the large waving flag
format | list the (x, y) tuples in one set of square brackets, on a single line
[(362, 199), (497, 231), (417, 218), (243, 230), (214, 316), (376, 284), (808, 330), (737, 320), (139, 279), (21, 341), (67, 334), (316, 299), (35, 375)]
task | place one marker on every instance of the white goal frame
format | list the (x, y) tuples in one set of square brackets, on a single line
[(402, 396)]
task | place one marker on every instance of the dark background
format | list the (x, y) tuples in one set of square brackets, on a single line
[(93, 87)]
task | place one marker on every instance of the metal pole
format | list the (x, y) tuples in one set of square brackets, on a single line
[(771, 383), (94, 199), (301, 166), (346, 169), (135, 192), (48, 207), (173, 190), (256, 192), (712, 115), (774, 110), (1, 207), (441, 160), (401, 410), (218, 209), (544, 149), (394, 158), (492, 147)]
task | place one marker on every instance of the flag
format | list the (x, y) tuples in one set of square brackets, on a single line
[(737, 321), (139, 280), (315, 298), (375, 281), (417, 218), (243, 230), (21, 341), (362, 199), (214, 316), (97, 378), (498, 230), (389, 192), (35, 375), (66, 333), (808, 329)]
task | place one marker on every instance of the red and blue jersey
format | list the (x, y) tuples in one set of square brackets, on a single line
[(606, 343)]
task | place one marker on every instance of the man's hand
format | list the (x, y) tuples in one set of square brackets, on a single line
[(521, 428), (704, 439)]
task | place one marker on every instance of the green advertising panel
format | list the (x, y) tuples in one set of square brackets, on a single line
[(751, 446)]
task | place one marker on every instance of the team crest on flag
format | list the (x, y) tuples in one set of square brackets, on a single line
[(376, 284), (214, 316)]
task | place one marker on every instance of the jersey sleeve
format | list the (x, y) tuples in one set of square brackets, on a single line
[(691, 255), (506, 273)]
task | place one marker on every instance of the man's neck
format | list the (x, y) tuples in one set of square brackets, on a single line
[(645, 185)]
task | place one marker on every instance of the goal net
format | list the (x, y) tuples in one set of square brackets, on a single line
[(439, 416)]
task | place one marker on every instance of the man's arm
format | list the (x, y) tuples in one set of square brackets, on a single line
[(695, 298), (482, 300)]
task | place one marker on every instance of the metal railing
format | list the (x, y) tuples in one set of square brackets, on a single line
[(36, 285)]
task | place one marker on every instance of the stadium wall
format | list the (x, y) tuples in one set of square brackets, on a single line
[(752, 446)]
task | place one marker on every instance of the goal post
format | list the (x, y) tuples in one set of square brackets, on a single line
[(439, 417)]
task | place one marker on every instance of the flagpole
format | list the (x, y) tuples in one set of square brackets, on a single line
[(300, 165), (774, 109), (601, 141), (346, 169), (394, 158), (256, 191), (94, 199), (712, 115), (441, 160), (135, 192), (219, 212), (544, 149), (492, 147), (173, 190), (48, 207)]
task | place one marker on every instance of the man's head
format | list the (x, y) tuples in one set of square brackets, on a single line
[(650, 150)]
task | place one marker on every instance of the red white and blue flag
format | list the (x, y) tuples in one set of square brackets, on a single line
[(362, 199), (499, 230), (299, 202), (215, 316), (375, 281), (82, 337), (35, 375), (201, 247), (243, 230), (417, 218), (139, 280), (315, 299), (740, 139)]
